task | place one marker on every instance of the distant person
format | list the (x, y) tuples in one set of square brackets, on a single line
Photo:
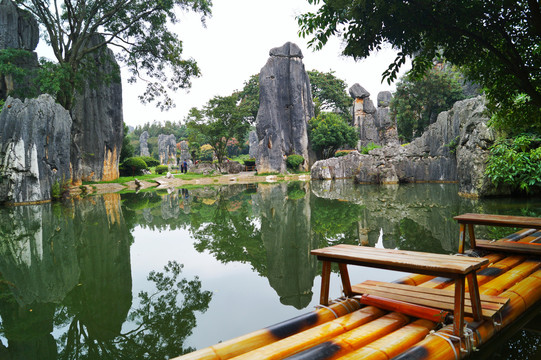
[(185, 167)]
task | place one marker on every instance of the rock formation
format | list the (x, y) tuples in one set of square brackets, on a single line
[(98, 130), (253, 142), (167, 149), (34, 149), (454, 148), (185, 151), (374, 125), (143, 144), (18, 30), (285, 107)]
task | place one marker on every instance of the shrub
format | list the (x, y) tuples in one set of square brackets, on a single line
[(368, 147), (341, 153), (160, 169), (150, 161), (293, 161), (133, 166), (249, 162)]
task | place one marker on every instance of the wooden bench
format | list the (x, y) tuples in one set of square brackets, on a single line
[(459, 268), (514, 243)]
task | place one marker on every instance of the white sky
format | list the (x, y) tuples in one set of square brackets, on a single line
[(235, 45)]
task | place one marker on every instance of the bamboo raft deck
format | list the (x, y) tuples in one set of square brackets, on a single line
[(449, 307)]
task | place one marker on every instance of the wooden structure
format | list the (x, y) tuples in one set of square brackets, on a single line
[(459, 268), (526, 241), (381, 320)]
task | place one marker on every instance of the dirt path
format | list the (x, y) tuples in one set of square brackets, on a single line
[(164, 182)]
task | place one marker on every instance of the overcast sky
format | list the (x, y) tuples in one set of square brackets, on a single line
[(235, 45)]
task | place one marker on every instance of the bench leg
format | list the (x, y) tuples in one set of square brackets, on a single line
[(462, 238), (344, 275), (474, 296), (458, 324), (472, 236), (325, 280)]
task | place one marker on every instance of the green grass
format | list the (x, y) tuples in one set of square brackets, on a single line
[(191, 176), (125, 179), (241, 158)]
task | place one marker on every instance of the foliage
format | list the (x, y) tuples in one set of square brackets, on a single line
[(133, 166), (2, 102), (150, 161), (496, 43), (293, 161), (370, 146), (516, 162), (341, 153), (249, 96), (329, 132), (330, 92), (139, 30), (157, 128), (222, 119), (59, 189), (127, 148), (160, 169), (418, 101), (249, 162)]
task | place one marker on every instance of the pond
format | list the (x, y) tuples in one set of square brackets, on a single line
[(157, 274)]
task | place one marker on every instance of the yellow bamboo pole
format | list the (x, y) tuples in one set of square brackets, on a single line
[(395, 343)]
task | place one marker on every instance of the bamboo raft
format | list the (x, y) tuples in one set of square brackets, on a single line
[(449, 306)]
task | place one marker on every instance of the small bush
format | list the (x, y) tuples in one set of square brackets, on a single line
[(341, 153), (249, 162), (293, 161), (160, 169), (368, 147), (150, 161), (133, 166)]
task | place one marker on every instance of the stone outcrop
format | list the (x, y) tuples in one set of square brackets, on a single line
[(230, 167), (454, 148), (185, 151), (98, 129), (167, 149), (143, 144), (285, 107), (373, 124), (253, 143), (34, 149), (18, 30)]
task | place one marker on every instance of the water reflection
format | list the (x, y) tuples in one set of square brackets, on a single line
[(66, 272)]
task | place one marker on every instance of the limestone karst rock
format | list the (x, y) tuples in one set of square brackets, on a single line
[(253, 142), (285, 107), (185, 151), (34, 149), (167, 149), (143, 144), (98, 129)]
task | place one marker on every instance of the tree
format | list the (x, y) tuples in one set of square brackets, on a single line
[(417, 102), (330, 92), (222, 119), (139, 29), (496, 42), (127, 150), (328, 132)]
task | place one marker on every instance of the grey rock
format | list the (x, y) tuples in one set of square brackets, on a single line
[(253, 141), (384, 99), (35, 149), (98, 129), (185, 151), (143, 144), (368, 106), (232, 167), (358, 92), (18, 28), (167, 149), (289, 50), (285, 108)]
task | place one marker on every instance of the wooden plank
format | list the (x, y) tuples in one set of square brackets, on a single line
[(500, 220), (325, 283), (530, 238), (510, 247), (429, 291), (519, 234)]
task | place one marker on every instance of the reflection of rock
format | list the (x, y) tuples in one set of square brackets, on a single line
[(103, 299), (285, 232), (37, 254), (170, 206)]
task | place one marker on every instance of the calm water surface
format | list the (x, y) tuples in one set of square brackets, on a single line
[(157, 274)]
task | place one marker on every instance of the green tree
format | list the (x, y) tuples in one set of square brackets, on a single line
[(418, 101), (127, 150), (496, 42), (222, 119), (138, 29), (330, 92), (328, 132), (250, 96)]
